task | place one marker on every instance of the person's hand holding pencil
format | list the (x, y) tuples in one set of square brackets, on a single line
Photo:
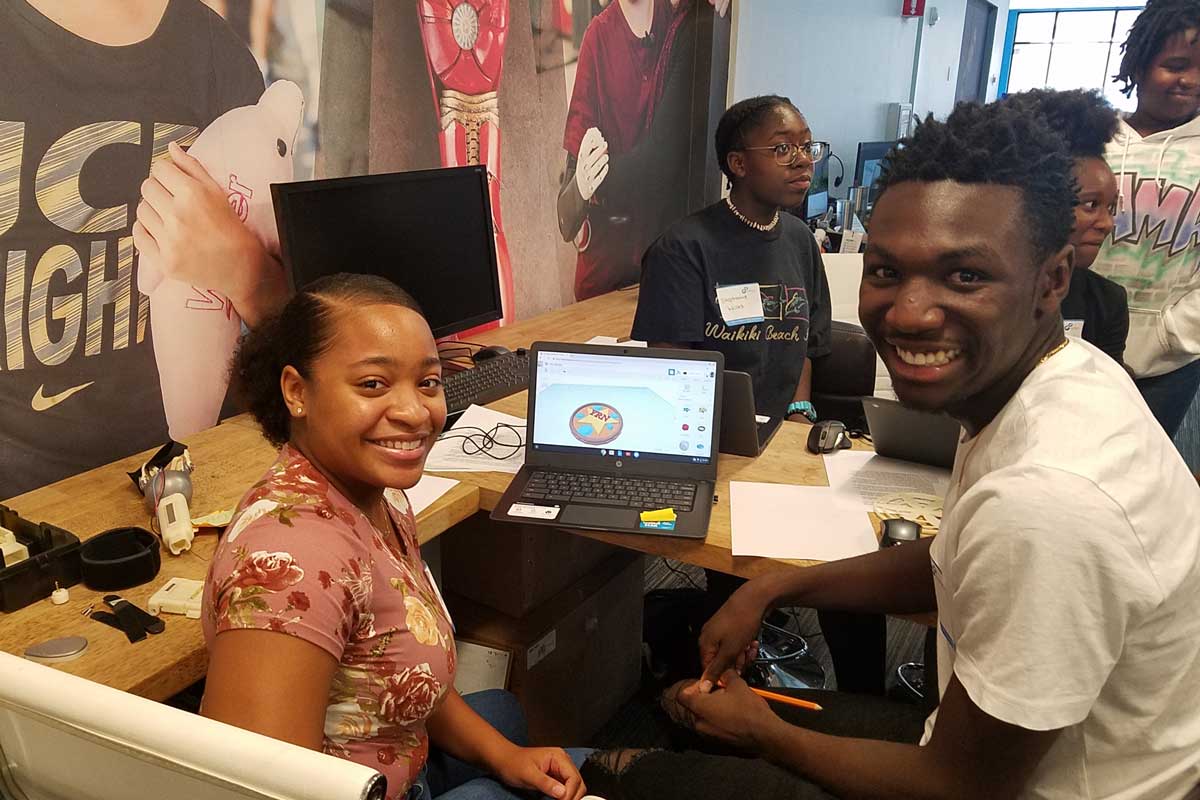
[(734, 712)]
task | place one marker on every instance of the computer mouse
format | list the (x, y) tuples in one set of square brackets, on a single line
[(484, 353), (826, 436), (899, 531)]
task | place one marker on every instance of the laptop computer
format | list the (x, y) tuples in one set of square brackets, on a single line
[(615, 431), (898, 431), (743, 431)]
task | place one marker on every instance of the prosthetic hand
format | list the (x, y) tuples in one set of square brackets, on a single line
[(464, 48)]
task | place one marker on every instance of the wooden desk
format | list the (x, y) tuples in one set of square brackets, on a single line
[(233, 455), (229, 458)]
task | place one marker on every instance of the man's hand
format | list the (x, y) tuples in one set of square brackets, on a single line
[(592, 166), (185, 225), (729, 638), (731, 713), (548, 770)]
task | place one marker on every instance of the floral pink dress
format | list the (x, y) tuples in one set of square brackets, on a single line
[(300, 559)]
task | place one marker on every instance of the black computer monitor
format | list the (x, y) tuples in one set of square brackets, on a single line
[(817, 202), (429, 232), (869, 164)]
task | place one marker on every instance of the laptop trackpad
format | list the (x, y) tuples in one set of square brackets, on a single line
[(599, 516)]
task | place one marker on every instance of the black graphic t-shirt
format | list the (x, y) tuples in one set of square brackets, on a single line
[(1103, 306), (80, 123), (678, 301)]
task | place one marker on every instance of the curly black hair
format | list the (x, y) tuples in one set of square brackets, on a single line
[(741, 118), (1082, 117), (1160, 20), (1001, 144), (296, 337)]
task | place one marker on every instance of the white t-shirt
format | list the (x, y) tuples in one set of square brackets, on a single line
[(1067, 571)]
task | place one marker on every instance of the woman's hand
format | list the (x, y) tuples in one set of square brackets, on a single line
[(548, 770)]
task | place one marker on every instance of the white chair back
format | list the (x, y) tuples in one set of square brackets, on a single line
[(62, 736)]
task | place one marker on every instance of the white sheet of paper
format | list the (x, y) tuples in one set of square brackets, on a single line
[(447, 455), (781, 521), (481, 667), (740, 303), (859, 477), (613, 340), (427, 491)]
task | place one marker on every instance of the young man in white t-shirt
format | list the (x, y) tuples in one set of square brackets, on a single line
[(1066, 574)]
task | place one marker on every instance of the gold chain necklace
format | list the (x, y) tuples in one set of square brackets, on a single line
[(758, 226), (1053, 352)]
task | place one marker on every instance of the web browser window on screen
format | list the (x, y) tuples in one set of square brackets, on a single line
[(625, 406)]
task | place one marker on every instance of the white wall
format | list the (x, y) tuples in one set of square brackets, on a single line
[(843, 62)]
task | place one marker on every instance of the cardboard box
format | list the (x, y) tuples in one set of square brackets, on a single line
[(576, 659), (514, 568)]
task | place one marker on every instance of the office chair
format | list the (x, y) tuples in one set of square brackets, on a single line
[(64, 736), (843, 378)]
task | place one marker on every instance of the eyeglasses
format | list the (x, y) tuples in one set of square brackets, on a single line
[(787, 153)]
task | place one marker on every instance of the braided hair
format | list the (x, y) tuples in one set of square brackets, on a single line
[(1160, 20), (741, 118), (999, 144), (296, 337), (1082, 117)]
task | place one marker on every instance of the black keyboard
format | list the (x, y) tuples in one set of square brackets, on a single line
[(609, 490), (487, 381)]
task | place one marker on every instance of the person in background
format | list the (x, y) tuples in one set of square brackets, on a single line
[(766, 150), (323, 625), (1154, 251), (1067, 585), (1087, 122)]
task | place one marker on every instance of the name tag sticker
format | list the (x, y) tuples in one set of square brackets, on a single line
[(533, 512), (1073, 328), (740, 303)]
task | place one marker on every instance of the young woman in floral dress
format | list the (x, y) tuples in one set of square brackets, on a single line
[(324, 626)]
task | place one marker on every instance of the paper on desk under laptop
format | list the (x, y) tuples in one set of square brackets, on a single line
[(860, 477)]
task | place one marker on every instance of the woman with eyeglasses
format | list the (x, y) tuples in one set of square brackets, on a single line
[(740, 276), (746, 279)]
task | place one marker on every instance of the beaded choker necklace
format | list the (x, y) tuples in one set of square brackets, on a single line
[(758, 226)]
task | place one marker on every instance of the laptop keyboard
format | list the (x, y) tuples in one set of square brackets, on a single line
[(609, 490)]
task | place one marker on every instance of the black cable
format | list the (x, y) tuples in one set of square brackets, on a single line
[(677, 571), (482, 441), (841, 177)]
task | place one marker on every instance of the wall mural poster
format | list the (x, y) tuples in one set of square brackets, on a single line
[(628, 132), (425, 83), (130, 265)]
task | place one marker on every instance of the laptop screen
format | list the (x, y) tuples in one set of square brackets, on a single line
[(624, 406)]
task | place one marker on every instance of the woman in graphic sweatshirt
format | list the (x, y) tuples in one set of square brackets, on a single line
[(1154, 251)]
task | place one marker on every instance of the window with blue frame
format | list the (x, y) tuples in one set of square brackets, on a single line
[(1067, 49)]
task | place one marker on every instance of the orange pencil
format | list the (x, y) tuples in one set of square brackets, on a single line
[(781, 698)]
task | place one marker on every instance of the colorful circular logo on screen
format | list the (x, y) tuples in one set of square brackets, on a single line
[(596, 423)]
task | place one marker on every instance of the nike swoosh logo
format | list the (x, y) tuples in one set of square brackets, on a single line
[(42, 403)]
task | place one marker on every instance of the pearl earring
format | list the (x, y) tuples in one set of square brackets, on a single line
[(299, 410)]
